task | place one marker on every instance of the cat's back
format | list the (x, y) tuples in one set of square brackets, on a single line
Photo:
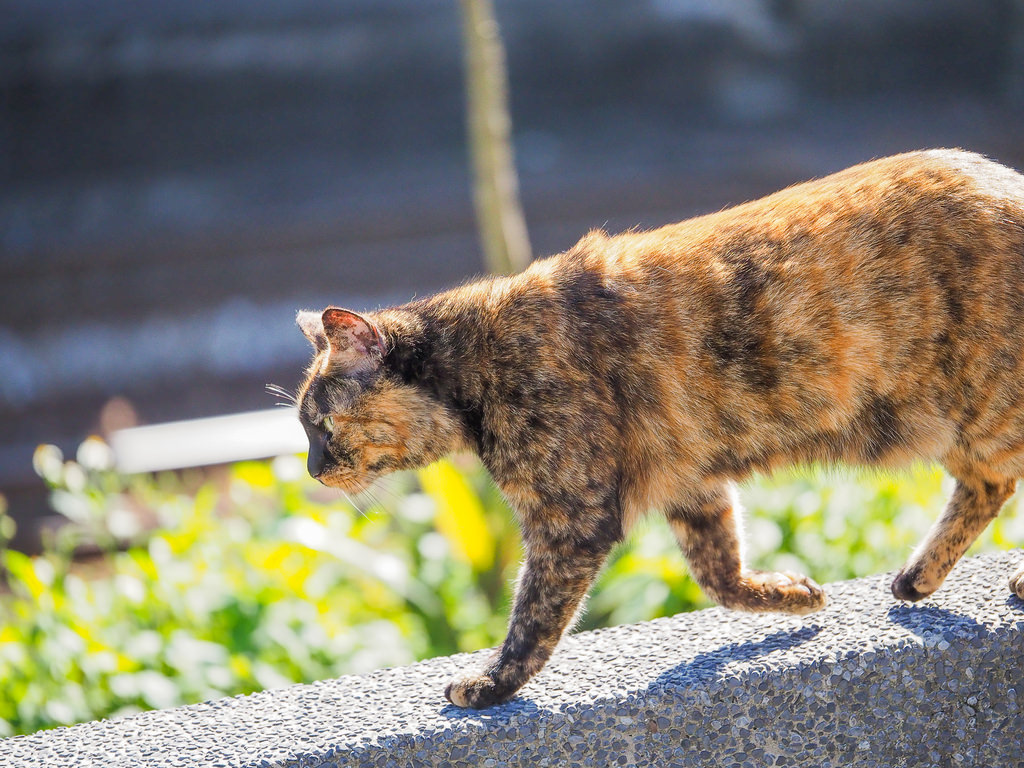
[(907, 202), (876, 258), (895, 237)]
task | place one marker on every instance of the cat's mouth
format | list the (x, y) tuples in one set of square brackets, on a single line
[(344, 482)]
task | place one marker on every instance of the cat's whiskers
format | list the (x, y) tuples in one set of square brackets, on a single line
[(377, 502), (379, 487), (366, 494), (386, 485), (352, 502), (283, 394)]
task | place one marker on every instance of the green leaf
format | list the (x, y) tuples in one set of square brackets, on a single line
[(460, 515)]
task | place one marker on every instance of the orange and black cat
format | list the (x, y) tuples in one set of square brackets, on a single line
[(872, 317)]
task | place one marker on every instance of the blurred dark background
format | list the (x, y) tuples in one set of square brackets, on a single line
[(176, 179)]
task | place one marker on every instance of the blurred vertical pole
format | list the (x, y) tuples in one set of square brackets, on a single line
[(499, 215)]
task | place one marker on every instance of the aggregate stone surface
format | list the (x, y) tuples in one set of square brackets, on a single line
[(867, 681)]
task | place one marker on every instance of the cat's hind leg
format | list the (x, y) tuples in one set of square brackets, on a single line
[(706, 525), (976, 500), (1017, 583)]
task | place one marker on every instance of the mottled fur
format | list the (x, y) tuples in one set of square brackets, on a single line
[(872, 317)]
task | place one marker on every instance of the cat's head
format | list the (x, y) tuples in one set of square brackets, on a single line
[(363, 420)]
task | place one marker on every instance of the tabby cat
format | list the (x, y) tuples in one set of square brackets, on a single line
[(872, 317)]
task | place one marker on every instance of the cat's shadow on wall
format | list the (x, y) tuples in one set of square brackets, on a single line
[(918, 619), (708, 665), (703, 666), (929, 620)]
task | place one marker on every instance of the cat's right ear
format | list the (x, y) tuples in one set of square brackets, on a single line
[(312, 326)]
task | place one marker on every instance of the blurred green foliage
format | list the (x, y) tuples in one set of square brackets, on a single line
[(261, 578)]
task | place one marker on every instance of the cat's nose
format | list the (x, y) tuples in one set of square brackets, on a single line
[(315, 464), (316, 459)]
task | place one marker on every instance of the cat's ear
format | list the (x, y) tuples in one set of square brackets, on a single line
[(312, 326), (355, 343)]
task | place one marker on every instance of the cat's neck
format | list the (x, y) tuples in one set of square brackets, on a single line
[(442, 344)]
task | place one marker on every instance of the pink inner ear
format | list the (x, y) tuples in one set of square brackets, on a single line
[(352, 338)]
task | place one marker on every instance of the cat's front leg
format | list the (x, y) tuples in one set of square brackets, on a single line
[(977, 497), (706, 525), (553, 581)]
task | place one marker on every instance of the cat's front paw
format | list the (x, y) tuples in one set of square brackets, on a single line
[(917, 581), (476, 692), (1017, 583)]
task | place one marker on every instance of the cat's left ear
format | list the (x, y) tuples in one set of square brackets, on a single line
[(355, 343), (312, 327)]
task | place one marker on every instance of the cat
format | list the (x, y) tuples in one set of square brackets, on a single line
[(873, 317)]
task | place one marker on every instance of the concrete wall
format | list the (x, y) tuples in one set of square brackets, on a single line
[(866, 682)]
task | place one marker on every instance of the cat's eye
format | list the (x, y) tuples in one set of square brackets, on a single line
[(328, 424)]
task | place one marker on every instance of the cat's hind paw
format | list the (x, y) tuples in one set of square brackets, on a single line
[(1017, 583), (786, 592), (476, 692)]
